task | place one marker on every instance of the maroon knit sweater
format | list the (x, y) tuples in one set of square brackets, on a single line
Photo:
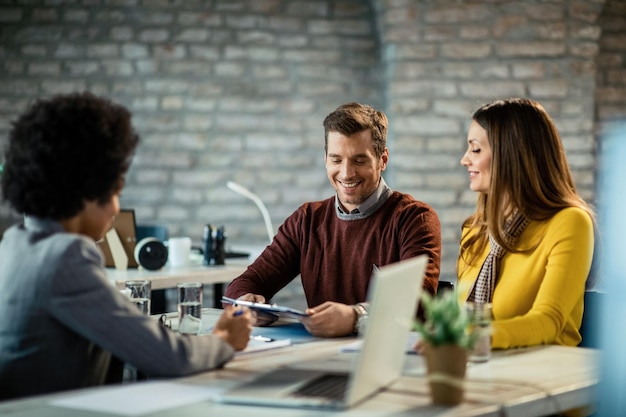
[(335, 257)]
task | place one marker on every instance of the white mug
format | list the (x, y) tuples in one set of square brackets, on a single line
[(179, 249)]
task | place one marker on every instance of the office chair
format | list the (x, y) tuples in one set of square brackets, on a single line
[(589, 328), (444, 286), (151, 230)]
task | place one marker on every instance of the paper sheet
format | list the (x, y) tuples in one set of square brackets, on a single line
[(138, 398), (255, 345)]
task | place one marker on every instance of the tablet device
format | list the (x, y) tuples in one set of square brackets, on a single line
[(274, 309)]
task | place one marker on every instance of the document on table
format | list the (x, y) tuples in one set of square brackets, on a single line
[(256, 345), (138, 398)]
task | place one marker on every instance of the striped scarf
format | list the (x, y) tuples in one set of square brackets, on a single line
[(482, 290)]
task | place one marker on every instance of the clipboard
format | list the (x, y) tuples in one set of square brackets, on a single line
[(273, 309)]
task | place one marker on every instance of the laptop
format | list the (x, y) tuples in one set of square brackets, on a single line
[(393, 294), (124, 224)]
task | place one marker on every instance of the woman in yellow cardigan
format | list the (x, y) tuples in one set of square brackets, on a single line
[(528, 247)]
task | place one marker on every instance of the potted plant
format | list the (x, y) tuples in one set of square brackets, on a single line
[(445, 342)]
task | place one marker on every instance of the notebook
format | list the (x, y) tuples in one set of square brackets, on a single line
[(393, 295)]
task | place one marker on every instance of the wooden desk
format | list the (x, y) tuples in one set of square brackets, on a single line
[(526, 382), (169, 276)]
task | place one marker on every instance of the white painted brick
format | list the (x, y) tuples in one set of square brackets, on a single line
[(199, 17), (102, 50), (154, 35), (114, 67), (193, 35), (427, 125), (44, 68), (134, 50), (493, 89)]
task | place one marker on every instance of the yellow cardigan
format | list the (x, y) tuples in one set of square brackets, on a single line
[(538, 298)]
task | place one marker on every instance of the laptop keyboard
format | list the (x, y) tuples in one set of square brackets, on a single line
[(329, 386)]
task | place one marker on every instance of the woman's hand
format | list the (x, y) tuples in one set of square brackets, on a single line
[(234, 326)]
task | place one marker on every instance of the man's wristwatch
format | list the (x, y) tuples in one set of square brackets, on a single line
[(360, 318)]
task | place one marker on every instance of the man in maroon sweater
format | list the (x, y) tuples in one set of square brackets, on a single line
[(335, 244)]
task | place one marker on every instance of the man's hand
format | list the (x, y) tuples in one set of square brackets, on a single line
[(330, 319), (234, 327), (259, 318), (254, 298)]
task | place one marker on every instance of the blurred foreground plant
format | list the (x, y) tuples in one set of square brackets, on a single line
[(445, 321)]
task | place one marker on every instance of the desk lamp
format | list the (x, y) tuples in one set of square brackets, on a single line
[(239, 189)]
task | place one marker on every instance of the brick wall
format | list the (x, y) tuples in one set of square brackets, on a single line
[(611, 63), (220, 90), (237, 90), (444, 59)]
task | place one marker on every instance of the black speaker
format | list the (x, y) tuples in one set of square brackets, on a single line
[(151, 253)]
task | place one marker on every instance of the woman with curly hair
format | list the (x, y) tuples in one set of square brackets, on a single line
[(528, 247), (62, 324)]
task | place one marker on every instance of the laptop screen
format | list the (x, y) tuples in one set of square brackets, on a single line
[(124, 224)]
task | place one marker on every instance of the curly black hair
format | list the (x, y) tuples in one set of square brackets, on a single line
[(64, 151)]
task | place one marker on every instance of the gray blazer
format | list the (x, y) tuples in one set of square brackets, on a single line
[(61, 319)]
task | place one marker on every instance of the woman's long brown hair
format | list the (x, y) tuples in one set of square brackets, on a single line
[(529, 172)]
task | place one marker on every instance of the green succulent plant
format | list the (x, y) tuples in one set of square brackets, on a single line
[(445, 321)]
